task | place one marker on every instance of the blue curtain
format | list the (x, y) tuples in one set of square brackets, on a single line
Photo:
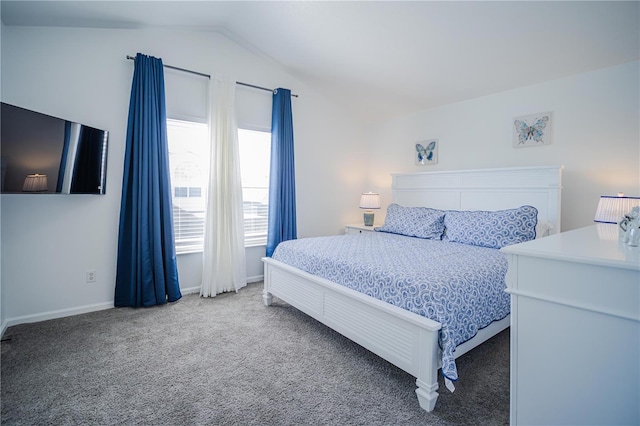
[(147, 272), (282, 179)]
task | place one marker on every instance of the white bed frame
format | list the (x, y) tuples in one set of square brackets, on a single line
[(405, 339)]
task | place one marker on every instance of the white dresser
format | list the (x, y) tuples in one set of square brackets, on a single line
[(575, 329)]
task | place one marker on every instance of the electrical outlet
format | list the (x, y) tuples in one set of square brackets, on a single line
[(91, 276)]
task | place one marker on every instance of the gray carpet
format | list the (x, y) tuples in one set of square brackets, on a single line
[(227, 360)]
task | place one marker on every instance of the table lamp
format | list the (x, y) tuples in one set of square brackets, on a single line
[(369, 201), (612, 208)]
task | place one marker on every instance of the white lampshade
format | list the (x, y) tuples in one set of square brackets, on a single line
[(611, 208), (35, 183), (370, 200)]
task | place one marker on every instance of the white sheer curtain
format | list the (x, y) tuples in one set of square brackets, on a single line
[(223, 264)]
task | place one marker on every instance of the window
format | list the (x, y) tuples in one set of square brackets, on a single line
[(189, 165), (255, 154)]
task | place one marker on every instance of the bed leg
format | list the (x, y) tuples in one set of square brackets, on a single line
[(267, 297), (427, 395), (427, 378)]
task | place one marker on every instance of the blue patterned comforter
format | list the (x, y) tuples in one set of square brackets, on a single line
[(458, 285)]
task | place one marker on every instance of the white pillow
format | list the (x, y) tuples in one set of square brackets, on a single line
[(543, 229)]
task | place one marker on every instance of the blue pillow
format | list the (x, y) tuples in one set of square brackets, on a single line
[(421, 222), (494, 229)]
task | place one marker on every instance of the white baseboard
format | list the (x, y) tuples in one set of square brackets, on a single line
[(56, 314), (86, 309), (255, 279), (191, 290)]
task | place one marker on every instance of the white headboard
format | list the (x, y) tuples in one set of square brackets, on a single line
[(485, 189)]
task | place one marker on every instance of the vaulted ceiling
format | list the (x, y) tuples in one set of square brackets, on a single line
[(381, 59)]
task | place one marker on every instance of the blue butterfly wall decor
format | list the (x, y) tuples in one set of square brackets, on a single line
[(426, 154), (534, 133)]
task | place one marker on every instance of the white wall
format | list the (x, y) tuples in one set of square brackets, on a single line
[(49, 241), (596, 121)]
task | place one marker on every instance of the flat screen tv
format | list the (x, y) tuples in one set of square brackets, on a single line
[(45, 154)]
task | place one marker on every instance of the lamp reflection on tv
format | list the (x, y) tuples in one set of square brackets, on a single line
[(35, 183)]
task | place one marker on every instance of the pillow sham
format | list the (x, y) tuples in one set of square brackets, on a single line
[(493, 229), (420, 222)]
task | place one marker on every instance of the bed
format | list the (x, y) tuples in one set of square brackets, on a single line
[(404, 338)]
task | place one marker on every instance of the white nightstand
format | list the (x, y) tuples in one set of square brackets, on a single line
[(359, 228)]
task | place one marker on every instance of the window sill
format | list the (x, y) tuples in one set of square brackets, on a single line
[(256, 244), (192, 251), (247, 245)]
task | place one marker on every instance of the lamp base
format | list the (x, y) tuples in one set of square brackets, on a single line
[(368, 218)]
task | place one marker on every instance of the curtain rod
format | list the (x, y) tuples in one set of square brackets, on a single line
[(209, 77)]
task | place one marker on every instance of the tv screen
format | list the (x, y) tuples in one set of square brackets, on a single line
[(45, 154)]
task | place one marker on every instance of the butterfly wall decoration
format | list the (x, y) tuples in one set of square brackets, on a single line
[(427, 152), (532, 130)]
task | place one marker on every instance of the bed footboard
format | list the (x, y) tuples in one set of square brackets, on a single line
[(404, 339)]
